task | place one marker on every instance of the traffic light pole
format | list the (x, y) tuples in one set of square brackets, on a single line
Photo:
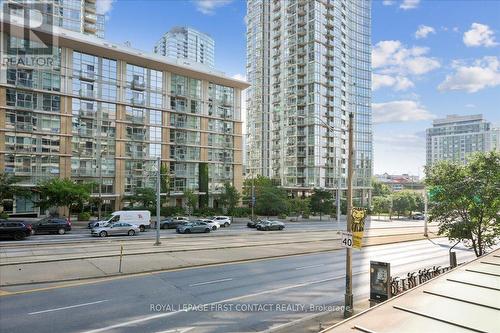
[(348, 307)]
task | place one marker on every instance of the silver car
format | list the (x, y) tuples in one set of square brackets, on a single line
[(120, 228)]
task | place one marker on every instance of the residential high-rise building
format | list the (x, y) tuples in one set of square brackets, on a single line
[(455, 137), (187, 43), (103, 112), (75, 15), (308, 62)]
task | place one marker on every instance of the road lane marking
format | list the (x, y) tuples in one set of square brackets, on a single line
[(178, 330), (237, 298), (209, 282), (68, 307), (310, 266), (4, 292)]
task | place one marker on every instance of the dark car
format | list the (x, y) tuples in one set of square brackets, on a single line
[(15, 230), (190, 227), (270, 225), (52, 225), (173, 222), (253, 223)]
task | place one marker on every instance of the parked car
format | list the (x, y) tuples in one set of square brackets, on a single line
[(212, 223), (192, 227), (52, 225), (120, 228), (173, 222), (253, 223), (418, 216), (224, 221), (270, 225), (14, 230), (141, 218)]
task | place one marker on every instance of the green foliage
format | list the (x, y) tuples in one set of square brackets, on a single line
[(465, 200), (58, 192), (381, 204), (9, 189), (206, 212), (282, 216), (242, 212), (4, 216), (85, 216), (299, 206), (380, 189), (191, 200), (203, 184), (144, 197), (171, 211), (406, 202), (270, 199), (229, 197), (321, 202)]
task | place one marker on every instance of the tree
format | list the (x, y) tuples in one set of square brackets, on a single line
[(381, 204), (9, 189), (403, 201), (229, 197), (380, 189), (144, 197), (464, 200), (299, 206), (270, 200), (57, 192), (321, 202), (191, 200)]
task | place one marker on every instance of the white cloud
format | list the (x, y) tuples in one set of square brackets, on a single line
[(208, 7), (471, 106), (398, 83), (423, 31), (483, 73), (404, 140), (388, 2), (479, 35), (390, 56), (409, 4), (399, 111), (455, 29), (104, 6)]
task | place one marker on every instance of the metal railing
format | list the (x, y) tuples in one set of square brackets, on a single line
[(413, 279)]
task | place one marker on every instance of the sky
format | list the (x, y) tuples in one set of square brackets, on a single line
[(430, 59)]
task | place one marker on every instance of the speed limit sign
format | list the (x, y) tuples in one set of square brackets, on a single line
[(346, 240)]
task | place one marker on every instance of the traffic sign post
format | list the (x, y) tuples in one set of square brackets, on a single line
[(346, 240)]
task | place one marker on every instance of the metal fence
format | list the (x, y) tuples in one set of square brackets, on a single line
[(413, 279)]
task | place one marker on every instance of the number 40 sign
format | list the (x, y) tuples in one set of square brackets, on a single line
[(346, 240)]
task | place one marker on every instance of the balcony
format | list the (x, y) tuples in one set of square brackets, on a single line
[(90, 27), (86, 93), (92, 18), (138, 84), (137, 101), (87, 75)]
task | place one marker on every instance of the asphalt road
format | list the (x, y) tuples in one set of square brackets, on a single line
[(244, 297), (83, 234)]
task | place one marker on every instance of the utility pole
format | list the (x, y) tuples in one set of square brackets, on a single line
[(100, 184), (338, 201), (348, 308), (425, 213), (253, 196), (158, 190)]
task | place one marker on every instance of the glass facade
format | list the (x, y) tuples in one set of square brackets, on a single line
[(187, 43), (313, 57), (97, 119)]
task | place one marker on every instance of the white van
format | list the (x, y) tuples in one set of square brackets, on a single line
[(141, 218)]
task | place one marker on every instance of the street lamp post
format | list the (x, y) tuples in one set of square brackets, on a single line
[(158, 202)]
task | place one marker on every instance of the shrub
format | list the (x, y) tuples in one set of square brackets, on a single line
[(4, 215), (305, 216), (171, 211), (241, 212), (282, 216), (85, 216)]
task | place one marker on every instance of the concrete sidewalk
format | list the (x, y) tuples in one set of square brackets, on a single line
[(78, 269)]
